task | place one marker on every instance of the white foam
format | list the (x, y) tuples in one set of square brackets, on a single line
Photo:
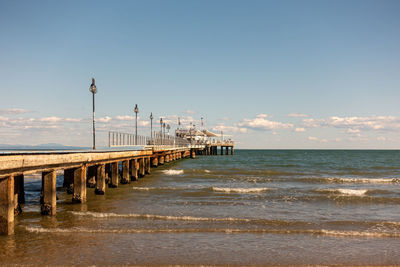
[(352, 192), (156, 188), (240, 190), (207, 171), (173, 172), (153, 216), (358, 234), (346, 191), (216, 230), (366, 180)]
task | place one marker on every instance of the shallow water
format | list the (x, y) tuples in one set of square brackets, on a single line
[(269, 207)]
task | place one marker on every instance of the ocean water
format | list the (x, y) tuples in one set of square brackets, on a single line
[(258, 207)]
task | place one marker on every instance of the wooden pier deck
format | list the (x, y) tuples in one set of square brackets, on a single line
[(82, 169)]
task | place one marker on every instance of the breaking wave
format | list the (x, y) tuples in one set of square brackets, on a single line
[(345, 191), (339, 180), (357, 234), (240, 190), (173, 172)]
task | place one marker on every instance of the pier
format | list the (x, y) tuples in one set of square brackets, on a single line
[(99, 169)]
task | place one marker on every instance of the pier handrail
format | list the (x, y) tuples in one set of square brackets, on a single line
[(118, 139)]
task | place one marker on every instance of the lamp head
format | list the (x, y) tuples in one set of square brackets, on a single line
[(93, 87), (136, 109)]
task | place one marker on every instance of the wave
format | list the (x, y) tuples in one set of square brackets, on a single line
[(240, 190), (340, 180), (158, 217), (344, 191), (173, 172), (156, 188), (358, 234)]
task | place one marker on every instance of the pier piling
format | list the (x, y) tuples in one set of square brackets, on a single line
[(101, 180), (154, 162), (79, 193), (48, 206), (114, 174), (147, 165), (142, 170), (125, 172), (7, 205), (19, 188), (134, 170)]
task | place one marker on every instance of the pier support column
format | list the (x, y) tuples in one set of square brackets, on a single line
[(108, 173), (114, 175), (7, 205), (161, 160), (154, 162), (232, 153), (192, 153), (19, 188), (48, 206), (101, 180), (227, 150), (148, 165), (142, 169), (125, 172), (91, 177), (68, 180), (166, 158), (79, 194), (222, 150), (134, 170)]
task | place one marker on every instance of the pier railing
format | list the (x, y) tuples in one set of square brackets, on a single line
[(117, 139)]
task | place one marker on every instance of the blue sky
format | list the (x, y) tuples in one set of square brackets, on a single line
[(274, 74)]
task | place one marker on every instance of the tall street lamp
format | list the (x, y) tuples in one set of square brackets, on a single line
[(136, 112), (93, 89), (151, 126), (161, 123), (168, 127)]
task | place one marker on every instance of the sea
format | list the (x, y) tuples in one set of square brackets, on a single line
[(257, 207)]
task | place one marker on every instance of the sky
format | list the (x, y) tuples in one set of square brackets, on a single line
[(269, 74)]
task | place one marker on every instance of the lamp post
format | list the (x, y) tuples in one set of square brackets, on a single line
[(151, 126), (161, 123), (93, 89), (164, 129), (168, 127), (136, 112)]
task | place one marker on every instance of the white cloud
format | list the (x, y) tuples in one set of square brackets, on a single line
[(300, 130), (229, 129), (3, 118), (260, 123), (316, 139), (190, 112), (124, 118), (262, 115), (14, 111), (72, 120), (355, 123), (352, 131), (104, 119), (381, 138), (50, 119), (297, 115)]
